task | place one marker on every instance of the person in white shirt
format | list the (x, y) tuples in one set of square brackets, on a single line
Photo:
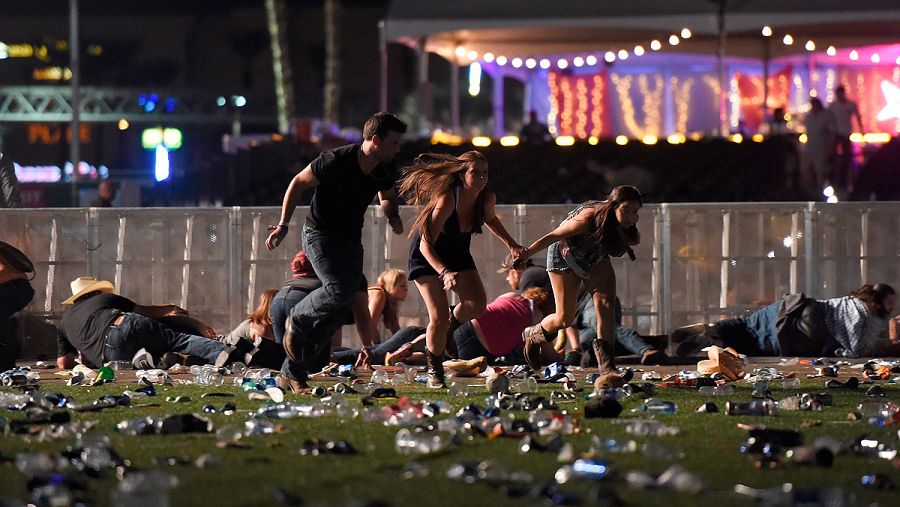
[(844, 111)]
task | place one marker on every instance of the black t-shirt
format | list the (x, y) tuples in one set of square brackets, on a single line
[(344, 191), (83, 327)]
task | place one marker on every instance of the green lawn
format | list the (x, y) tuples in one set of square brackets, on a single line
[(251, 476)]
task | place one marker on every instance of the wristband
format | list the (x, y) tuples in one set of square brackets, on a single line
[(443, 272), (282, 224)]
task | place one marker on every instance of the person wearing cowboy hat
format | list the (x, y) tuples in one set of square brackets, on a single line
[(103, 326)]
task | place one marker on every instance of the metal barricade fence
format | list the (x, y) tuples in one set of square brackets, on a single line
[(695, 262)]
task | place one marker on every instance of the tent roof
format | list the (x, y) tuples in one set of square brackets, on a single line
[(538, 27)]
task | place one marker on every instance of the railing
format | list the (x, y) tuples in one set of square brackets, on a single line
[(695, 262)]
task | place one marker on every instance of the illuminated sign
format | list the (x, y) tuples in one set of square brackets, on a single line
[(42, 133), (171, 138)]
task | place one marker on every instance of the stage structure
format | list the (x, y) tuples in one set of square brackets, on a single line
[(646, 69)]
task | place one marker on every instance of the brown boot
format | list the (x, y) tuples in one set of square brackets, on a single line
[(534, 336), (610, 376), (435, 370)]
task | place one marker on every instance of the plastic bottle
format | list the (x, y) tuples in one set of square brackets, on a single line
[(457, 389), (752, 407), (656, 406), (526, 386)]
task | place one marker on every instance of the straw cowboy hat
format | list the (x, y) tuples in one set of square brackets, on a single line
[(84, 284)]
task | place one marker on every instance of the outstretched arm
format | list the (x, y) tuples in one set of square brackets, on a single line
[(494, 224), (303, 181), (578, 224)]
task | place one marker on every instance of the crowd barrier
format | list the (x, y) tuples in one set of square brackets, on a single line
[(695, 262)]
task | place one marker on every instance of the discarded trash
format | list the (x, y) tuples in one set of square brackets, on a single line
[(409, 442), (722, 390), (708, 408), (603, 407), (752, 407), (316, 447), (652, 428), (656, 406)]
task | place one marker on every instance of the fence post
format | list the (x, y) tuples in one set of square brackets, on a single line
[(235, 262), (92, 242), (661, 279), (809, 243)]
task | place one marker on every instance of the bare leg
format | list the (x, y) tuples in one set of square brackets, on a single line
[(432, 290)]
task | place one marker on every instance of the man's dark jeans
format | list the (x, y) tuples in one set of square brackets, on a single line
[(286, 299), (137, 332), (337, 261), (14, 295)]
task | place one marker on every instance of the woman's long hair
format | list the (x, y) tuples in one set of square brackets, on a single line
[(873, 297), (388, 281), (541, 299), (606, 231), (433, 174), (261, 314)]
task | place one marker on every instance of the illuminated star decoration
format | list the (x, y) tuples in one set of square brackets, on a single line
[(892, 102)]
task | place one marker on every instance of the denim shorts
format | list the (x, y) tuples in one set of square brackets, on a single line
[(561, 258)]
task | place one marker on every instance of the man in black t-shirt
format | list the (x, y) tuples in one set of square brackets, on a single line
[(346, 180), (103, 327)]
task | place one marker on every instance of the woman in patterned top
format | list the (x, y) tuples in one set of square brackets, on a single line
[(579, 252)]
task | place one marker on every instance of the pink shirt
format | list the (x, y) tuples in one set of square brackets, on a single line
[(502, 323)]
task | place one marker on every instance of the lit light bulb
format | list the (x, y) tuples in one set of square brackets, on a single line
[(591, 60), (767, 31), (460, 51), (531, 63), (516, 62), (831, 51), (472, 55), (655, 45), (788, 40), (686, 33), (488, 57), (609, 57), (673, 40), (578, 61), (854, 55), (810, 45), (875, 58), (623, 55), (501, 60), (562, 63), (639, 51), (545, 63)]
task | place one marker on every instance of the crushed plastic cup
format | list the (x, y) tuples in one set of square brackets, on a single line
[(791, 383), (238, 368), (407, 372), (379, 376), (651, 428), (458, 389), (526, 386), (722, 390), (409, 442), (154, 376)]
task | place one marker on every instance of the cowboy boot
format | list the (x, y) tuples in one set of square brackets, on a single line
[(435, 371), (534, 336), (610, 376)]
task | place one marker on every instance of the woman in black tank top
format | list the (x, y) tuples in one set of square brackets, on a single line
[(453, 191)]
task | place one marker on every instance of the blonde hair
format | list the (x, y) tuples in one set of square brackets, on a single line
[(433, 174), (388, 281)]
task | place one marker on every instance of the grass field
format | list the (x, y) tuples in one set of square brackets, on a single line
[(272, 463)]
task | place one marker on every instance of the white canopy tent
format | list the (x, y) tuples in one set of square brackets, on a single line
[(461, 29)]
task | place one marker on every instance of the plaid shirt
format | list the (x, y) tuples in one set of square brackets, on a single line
[(850, 323)]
